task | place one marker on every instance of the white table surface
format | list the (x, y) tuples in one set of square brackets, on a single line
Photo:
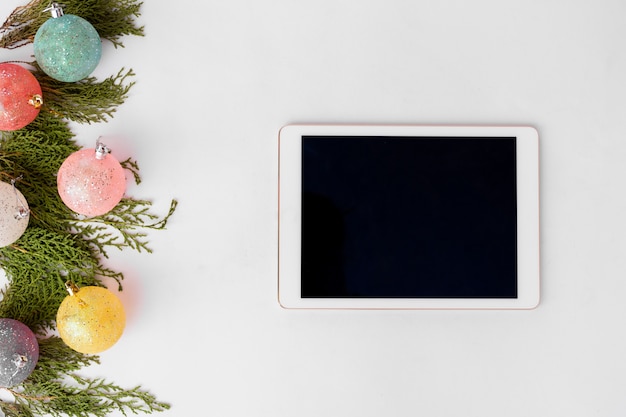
[(216, 81)]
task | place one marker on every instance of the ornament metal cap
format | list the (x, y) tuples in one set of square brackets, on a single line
[(36, 101), (71, 288), (55, 9), (20, 361), (101, 150), (22, 210)]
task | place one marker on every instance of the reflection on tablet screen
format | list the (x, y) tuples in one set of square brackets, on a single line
[(409, 217)]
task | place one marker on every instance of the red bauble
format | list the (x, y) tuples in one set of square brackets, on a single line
[(20, 97)]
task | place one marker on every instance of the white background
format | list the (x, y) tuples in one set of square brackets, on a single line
[(216, 81)]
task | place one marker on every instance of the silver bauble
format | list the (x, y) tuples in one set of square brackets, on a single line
[(19, 352)]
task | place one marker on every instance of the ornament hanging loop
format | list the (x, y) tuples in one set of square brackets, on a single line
[(55, 9), (101, 150)]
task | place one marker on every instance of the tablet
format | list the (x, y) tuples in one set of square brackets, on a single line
[(408, 217)]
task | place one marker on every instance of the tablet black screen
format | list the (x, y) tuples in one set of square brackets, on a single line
[(408, 217)]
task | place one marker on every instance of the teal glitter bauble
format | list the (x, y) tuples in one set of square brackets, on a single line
[(67, 48)]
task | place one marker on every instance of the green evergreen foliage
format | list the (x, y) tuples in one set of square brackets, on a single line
[(87, 101), (111, 18), (49, 391), (58, 245)]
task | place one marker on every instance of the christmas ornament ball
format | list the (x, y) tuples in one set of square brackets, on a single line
[(14, 214), (90, 184), (20, 97), (19, 352), (67, 47), (91, 319)]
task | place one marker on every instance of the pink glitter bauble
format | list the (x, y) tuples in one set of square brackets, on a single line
[(89, 185), (20, 97)]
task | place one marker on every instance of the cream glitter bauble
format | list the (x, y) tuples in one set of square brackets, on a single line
[(14, 214)]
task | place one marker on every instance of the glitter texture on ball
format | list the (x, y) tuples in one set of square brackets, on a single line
[(91, 185), (91, 319), (14, 214), (20, 97), (19, 352), (67, 47)]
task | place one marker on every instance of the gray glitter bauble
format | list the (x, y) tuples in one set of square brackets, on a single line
[(19, 352)]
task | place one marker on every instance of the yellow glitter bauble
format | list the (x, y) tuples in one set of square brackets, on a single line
[(90, 319)]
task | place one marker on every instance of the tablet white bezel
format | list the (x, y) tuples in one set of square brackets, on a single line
[(289, 213)]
